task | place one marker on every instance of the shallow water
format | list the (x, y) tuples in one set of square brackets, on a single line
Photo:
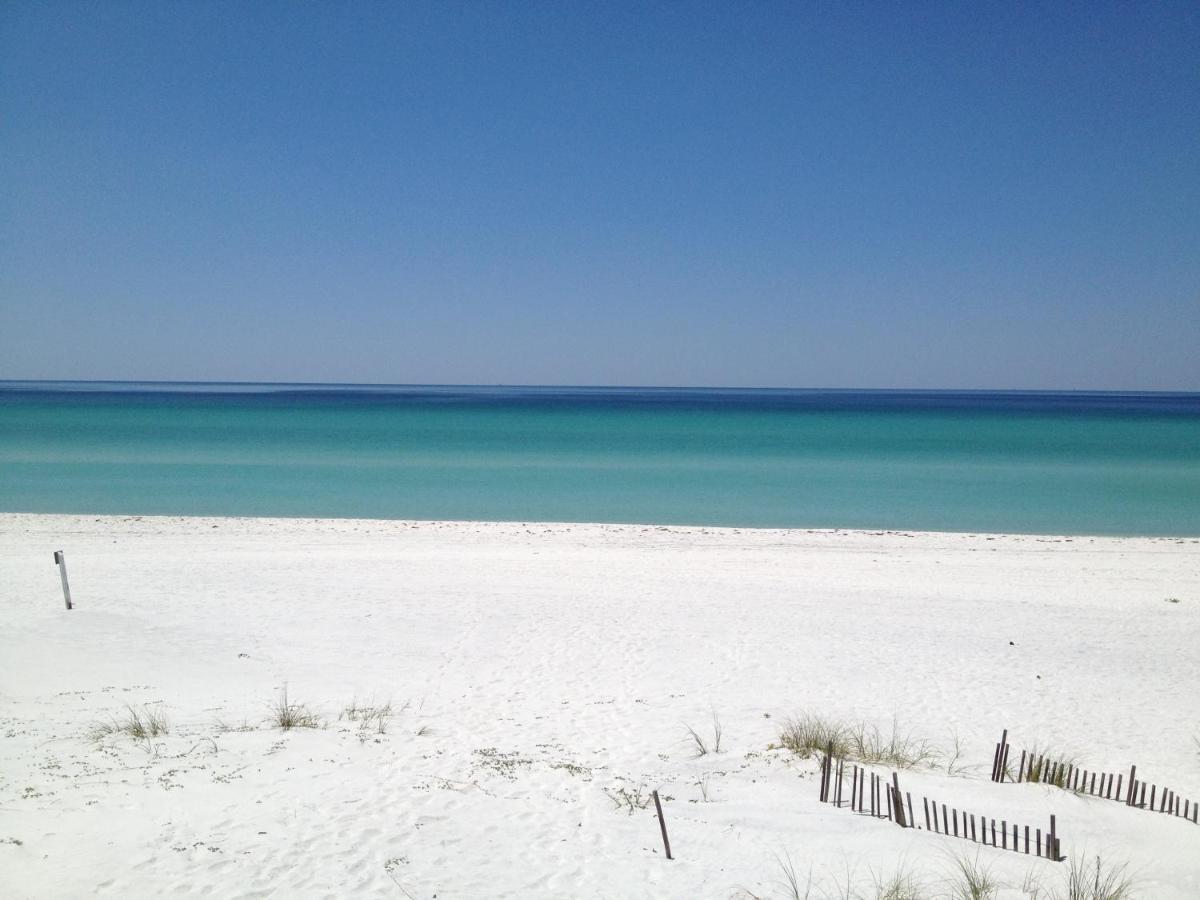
[(1070, 463)]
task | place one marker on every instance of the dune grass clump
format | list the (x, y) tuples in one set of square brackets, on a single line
[(970, 880), (1088, 880), (369, 716), (697, 740), (952, 756), (811, 734), (629, 800), (1041, 768), (896, 748), (900, 885), (286, 715), (138, 723), (791, 880), (1084, 879)]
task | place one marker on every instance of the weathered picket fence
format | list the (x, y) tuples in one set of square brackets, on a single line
[(869, 794), (1039, 769)]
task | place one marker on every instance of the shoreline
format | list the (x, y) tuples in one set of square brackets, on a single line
[(638, 527)]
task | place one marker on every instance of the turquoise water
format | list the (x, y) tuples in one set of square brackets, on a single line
[(953, 461)]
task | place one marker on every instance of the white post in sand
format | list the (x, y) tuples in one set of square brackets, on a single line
[(62, 570)]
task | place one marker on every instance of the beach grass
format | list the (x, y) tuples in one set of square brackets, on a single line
[(1041, 768), (811, 734), (286, 715), (1089, 879), (629, 799), (698, 742), (791, 880), (901, 884), (370, 717), (139, 723), (971, 880)]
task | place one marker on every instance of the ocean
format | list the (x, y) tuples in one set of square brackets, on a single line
[(1018, 462)]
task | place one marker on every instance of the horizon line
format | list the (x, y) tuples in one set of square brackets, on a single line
[(581, 387)]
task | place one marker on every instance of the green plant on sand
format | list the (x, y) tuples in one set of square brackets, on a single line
[(811, 734), (138, 723), (1088, 880), (287, 715), (970, 880), (1045, 766)]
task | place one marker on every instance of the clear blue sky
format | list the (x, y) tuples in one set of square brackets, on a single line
[(795, 194)]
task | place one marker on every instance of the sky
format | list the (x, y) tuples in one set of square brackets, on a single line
[(913, 195)]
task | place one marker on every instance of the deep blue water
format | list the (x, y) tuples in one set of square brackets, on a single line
[(1077, 463)]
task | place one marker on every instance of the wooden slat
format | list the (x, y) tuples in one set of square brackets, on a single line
[(662, 824)]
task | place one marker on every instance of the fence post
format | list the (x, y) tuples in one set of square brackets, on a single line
[(662, 824), (1001, 748), (61, 560), (899, 805)]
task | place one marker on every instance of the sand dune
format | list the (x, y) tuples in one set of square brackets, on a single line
[(540, 678)]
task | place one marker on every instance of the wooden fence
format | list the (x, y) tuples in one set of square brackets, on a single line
[(869, 794), (1039, 769)]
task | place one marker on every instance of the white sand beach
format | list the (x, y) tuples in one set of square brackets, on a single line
[(542, 675)]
